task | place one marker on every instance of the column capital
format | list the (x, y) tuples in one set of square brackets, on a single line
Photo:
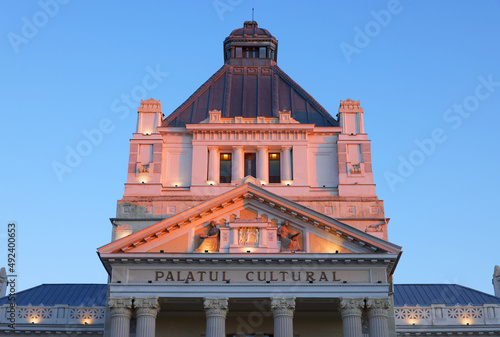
[(351, 306), (238, 147), (283, 306), (213, 147), (262, 147), (377, 306), (215, 306), (120, 306), (146, 306), (286, 147)]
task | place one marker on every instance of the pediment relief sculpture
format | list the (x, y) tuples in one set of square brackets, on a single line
[(288, 238), (209, 241)]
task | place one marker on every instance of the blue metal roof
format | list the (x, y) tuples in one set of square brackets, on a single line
[(448, 294), (76, 294)]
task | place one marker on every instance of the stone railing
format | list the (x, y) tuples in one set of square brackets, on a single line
[(54, 315), (440, 314)]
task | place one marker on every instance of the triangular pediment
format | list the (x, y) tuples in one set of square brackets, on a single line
[(248, 219)]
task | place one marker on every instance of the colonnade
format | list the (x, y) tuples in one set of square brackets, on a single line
[(146, 309), (262, 163)]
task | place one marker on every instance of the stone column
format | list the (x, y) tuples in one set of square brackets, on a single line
[(283, 308), (215, 311), (286, 165), (238, 169), (377, 314), (146, 310), (121, 311), (262, 164), (213, 157), (350, 309)]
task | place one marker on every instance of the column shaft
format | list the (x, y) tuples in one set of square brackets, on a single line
[(287, 163), (121, 311), (146, 311), (215, 311), (350, 309), (377, 315), (262, 164), (238, 163), (283, 308), (213, 174)]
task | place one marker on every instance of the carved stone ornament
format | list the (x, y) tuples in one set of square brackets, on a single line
[(351, 306), (215, 306), (120, 306), (146, 306), (377, 306), (283, 306)]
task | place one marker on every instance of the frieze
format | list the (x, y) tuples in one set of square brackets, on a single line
[(245, 276)]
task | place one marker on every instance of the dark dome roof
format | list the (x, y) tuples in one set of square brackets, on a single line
[(250, 29)]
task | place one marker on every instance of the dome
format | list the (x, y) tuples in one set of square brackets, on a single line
[(250, 29), (250, 45)]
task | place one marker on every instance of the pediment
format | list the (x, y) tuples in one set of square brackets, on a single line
[(250, 219)]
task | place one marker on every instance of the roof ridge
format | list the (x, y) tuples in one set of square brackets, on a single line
[(222, 70), (305, 94)]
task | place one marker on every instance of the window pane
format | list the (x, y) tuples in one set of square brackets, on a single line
[(262, 52), (225, 168), (274, 168), (250, 165)]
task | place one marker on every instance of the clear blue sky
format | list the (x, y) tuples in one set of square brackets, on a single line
[(426, 68)]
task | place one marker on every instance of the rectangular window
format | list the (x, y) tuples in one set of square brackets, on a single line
[(274, 168), (262, 52), (250, 165), (239, 52), (225, 168)]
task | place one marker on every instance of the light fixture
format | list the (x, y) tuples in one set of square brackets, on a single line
[(268, 281), (161, 251), (211, 184), (142, 182), (32, 322), (176, 185), (248, 251), (413, 324), (344, 281), (336, 252), (228, 281), (467, 323), (86, 322), (287, 184), (310, 281), (206, 251), (149, 281), (118, 281)]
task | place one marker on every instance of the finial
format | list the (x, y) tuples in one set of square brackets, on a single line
[(252, 15)]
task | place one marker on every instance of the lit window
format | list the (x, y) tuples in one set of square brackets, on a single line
[(250, 165), (274, 168), (225, 168)]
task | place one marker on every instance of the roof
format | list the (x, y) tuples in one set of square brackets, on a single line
[(250, 29), (74, 294), (78, 294), (250, 91), (448, 294)]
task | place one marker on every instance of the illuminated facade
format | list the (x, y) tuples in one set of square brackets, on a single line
[(250, 199)]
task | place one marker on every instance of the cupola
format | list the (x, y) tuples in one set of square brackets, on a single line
[(250, 45)]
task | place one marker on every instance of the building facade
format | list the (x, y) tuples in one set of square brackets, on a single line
[(250, 210)]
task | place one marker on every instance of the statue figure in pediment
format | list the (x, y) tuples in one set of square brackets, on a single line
[(289, 239), (210, 240)]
